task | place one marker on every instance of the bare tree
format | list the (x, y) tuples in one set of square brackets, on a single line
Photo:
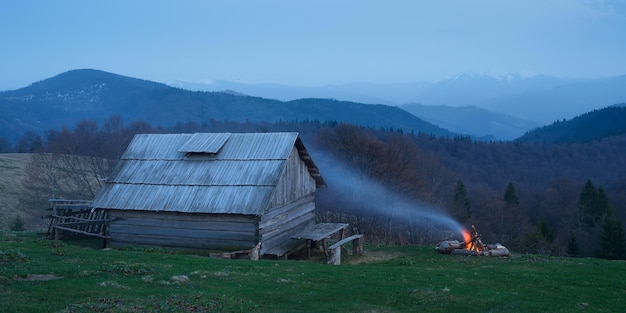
[(76, 162)]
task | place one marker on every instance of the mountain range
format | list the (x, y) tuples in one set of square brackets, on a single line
[(72, 96), (529, 99)]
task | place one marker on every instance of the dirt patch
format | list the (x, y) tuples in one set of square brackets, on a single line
[(39, 277), (373, 256)]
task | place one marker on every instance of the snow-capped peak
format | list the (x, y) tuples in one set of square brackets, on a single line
[(493, 75)]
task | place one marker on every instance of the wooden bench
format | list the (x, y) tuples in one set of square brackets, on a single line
[(319, 233), (335, 249)]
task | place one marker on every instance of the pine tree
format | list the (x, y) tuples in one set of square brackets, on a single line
[(461, 205), (573, 249), (511, 223), (587, 198), (510, 195), (603, 204), (545, 231), (593, 204), (541, 239), (612, 240)]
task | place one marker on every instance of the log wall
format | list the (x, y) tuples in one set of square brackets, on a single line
[(291, 209), (208, 232), (278, 226)]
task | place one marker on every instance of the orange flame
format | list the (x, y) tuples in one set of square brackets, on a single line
[(467, 238)]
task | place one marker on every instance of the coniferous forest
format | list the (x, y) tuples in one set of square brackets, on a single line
[(558, 199)]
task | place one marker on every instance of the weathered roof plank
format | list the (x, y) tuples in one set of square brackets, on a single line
[(170, 172)]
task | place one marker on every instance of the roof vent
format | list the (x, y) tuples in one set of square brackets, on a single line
[(204, 143)]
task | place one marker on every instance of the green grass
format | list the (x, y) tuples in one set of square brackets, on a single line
[(79, 277)]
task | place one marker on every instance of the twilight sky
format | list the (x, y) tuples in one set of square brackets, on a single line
[(310, 43)]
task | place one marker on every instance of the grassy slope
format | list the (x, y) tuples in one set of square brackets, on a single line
[(416, 279), (12, 172)]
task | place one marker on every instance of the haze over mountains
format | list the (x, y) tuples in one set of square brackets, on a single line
[(480, 123), (517, 103), (504, 106)]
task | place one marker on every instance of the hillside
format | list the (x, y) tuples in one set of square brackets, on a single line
[(12, 168), (477, 122), (92, 94), (595, 125)]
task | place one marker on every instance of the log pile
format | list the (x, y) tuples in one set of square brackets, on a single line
[(473, 245)]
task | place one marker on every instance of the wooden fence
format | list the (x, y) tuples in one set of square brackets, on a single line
[(75, 218)]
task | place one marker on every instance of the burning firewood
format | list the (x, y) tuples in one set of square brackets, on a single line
[(472, 245)]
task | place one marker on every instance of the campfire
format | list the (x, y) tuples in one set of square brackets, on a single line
[(472, 245)]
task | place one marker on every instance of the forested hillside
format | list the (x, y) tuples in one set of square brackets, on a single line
[(595, 125), (403, 188)]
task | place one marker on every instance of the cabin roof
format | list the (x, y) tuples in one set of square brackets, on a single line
[(229, 173)]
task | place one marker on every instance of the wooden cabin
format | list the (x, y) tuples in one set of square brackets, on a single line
[(211, 192)]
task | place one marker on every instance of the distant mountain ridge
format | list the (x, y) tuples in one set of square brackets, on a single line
[(465, 89), (388, 94), (476, 89), (563, 101), (93, 94), (595, 125), (479, 122), (529, 100)]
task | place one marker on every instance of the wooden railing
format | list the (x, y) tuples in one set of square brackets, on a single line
[(76, 217)]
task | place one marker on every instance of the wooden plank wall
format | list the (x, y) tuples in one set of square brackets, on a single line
[(278, 226), (292, 207), (209, 232), (295, 183)]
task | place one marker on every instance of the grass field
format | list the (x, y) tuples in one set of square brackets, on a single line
[(38, 275)]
